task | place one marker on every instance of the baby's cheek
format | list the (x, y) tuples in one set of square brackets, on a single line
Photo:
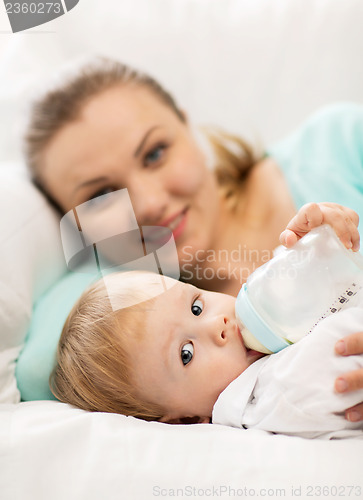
[(236, 367), (224, 375)]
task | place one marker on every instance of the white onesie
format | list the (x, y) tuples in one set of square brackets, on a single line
[(292, 392)]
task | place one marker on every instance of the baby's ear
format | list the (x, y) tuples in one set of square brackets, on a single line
[(185, 420)]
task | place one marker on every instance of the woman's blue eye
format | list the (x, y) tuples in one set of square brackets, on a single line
[(187, 353), (197, 307), (154, 155), (99, 197)]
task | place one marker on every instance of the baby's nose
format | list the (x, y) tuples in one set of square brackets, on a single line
[(222, 330)]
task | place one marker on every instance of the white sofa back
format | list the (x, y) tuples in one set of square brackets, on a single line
[(256, 67)]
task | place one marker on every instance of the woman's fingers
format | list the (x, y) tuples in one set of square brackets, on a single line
[(354, 414), (350, 381), (351, 344)]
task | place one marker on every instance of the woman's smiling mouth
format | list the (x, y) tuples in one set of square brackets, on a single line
[(160, 234), (174, 224)]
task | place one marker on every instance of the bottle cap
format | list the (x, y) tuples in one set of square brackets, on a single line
[(255, 324)]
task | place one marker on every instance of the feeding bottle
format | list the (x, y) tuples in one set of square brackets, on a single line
[(285, 298)]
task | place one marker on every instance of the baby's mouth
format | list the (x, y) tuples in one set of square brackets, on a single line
[(251, 353), (254, 355)]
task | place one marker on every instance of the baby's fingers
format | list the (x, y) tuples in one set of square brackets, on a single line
[(345, 223), (288, 238), (343, 220), (344, 227), (308, 217), (349, 212)]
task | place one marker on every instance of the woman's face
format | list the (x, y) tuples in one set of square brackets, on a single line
[(125, 137)]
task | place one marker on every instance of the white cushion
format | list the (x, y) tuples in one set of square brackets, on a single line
[(31, 261)]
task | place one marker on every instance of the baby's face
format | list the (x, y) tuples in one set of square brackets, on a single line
[(190, 351)]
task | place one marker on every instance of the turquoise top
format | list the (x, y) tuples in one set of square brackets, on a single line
[(36, 360), (323, 159)]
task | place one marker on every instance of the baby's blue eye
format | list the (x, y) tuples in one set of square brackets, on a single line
[(187, 353), (197, 307)]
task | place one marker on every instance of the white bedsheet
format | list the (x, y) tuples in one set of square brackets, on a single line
[(65, 453)]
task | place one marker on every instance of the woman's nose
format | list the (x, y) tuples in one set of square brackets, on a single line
[(149, 200)]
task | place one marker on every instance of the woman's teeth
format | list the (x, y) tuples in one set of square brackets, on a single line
[(175, 222)]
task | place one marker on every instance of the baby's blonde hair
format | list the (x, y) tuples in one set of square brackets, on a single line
[(92, 369)]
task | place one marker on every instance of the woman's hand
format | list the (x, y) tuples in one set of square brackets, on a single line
[(351, 381), (343, 220)]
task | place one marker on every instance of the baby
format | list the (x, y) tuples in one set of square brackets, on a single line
[(176, 355)]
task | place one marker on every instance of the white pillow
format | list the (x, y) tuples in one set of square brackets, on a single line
[(31, 260), (256, 67)]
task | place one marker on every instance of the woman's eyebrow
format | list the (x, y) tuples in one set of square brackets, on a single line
[(144, 139), (137, 152)]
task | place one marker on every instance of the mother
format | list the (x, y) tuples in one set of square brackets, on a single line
[(111, 127)]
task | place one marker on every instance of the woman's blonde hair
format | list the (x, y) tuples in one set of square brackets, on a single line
[(92, 369), (61, 106)]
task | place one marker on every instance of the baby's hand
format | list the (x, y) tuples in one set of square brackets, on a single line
[(343, 220)]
